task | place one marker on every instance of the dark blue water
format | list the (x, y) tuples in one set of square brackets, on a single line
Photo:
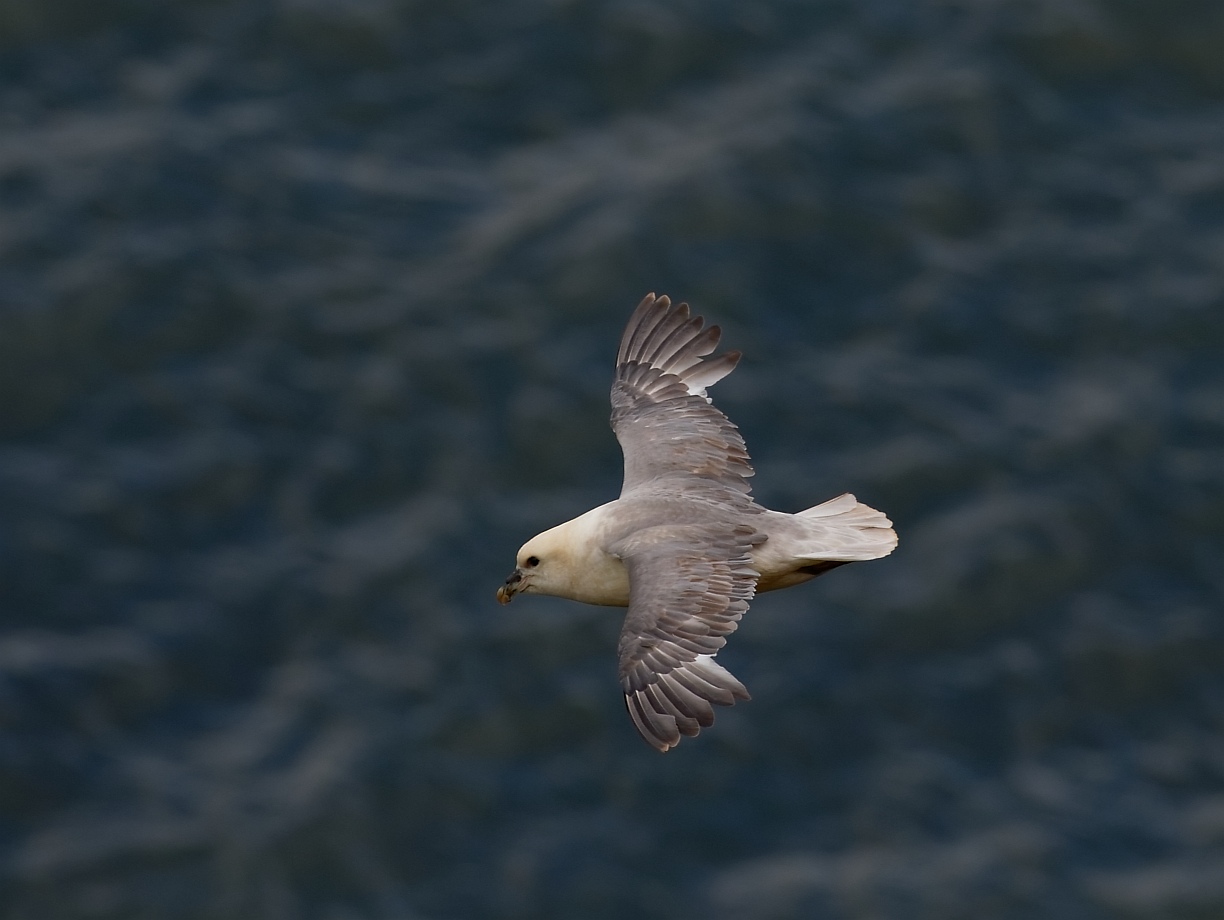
[(307, 318)]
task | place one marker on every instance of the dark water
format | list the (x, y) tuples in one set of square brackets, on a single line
[(308, 312)]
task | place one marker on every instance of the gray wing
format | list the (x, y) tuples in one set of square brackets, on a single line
[(688, 587), (660, 412)]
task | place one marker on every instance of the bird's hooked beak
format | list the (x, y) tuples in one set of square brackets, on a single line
[(514, 584)]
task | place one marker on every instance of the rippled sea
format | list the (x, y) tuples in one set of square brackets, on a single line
[(307, 318)]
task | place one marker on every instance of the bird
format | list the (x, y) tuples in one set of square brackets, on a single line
[(684, 547)]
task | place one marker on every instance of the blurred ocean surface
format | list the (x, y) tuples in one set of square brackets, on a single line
[(308, 317)]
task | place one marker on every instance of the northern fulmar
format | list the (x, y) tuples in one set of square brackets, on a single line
[(685, 547)]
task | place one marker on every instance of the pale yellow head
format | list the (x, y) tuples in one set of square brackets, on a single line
[(542, 567), (569, 561)]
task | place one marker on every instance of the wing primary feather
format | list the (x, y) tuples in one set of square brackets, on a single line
[(674, 341), (718, 676), (703, 688), (640, 325), (693, 351), (671, 324), (640, 723), (708, 373), (659, 729), (685, 723), (688, 701)]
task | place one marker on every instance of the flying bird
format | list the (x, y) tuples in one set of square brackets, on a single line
[(684, 547)]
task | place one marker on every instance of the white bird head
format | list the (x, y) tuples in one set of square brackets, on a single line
[(539, 563)]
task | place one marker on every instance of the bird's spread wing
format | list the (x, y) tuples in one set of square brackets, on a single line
[(660, 412), (688, 587)]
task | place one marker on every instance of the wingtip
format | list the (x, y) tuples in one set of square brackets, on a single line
[(647, 726), (633, 329)]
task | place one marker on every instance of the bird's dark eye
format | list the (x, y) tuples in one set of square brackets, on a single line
[(532, 562)]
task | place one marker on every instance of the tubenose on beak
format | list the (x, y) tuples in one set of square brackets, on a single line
[(506, 592)]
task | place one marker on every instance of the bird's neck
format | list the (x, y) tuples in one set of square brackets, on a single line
[(592, 575)]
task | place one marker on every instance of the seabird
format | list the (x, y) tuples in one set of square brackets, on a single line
[(684, 547)]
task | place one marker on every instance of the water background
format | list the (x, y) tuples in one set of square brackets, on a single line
[(307, 319)]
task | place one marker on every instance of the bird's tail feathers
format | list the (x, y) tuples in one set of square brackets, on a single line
[(843, 529)]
